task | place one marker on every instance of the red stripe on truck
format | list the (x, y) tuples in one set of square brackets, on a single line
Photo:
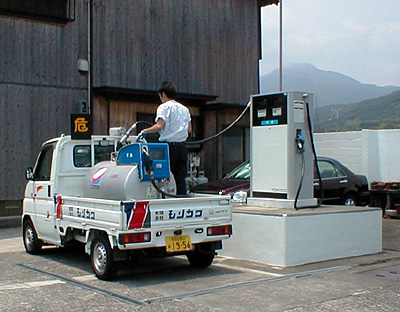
[(138, 215)]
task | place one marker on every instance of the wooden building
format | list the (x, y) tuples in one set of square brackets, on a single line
[(209, 48)]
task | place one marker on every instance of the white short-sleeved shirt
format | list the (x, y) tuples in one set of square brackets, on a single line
[(176, 117)]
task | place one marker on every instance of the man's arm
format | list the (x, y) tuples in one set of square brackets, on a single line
[(157, 127)]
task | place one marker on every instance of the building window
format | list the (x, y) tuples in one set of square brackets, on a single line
[(235, 148), (197, 132), (57, 11)]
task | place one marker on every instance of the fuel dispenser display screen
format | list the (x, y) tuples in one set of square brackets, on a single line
[(271, 110), (157, 153)]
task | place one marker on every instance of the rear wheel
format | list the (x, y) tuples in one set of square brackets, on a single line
[(101, 257), (32, 244), (349, 200), (200, 259)]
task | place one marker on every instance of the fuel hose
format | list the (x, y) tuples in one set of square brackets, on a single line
[(296, 207), (321, 199), (126, 135), (223, 131), (149, 168), (149, 161)]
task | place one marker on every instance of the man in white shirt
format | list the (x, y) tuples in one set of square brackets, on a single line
[(173, 123)]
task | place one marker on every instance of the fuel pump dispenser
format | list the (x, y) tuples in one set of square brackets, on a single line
[(282, 159), (281, 153)]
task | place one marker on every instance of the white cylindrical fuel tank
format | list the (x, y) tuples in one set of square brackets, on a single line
[(107, 180)]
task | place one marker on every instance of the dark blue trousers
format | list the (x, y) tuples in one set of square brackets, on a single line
[(178, 163)]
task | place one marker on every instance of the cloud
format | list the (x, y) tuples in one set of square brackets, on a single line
[(356, 38)]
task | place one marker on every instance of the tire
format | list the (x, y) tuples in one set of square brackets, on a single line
[(31, 243), (101, 257), (200, 259), (349, 200)]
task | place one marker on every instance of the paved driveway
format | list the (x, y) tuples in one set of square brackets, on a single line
[(62, 280)]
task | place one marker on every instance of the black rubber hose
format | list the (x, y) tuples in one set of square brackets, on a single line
[(126, 135), (149, 167), (223, 131), (321, 199), (196, 142), (301, 180), (164, 193)]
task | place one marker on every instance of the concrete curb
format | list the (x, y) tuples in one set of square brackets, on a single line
[(9, 222)]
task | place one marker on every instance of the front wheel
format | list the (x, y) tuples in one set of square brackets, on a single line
[(31, 243), (200, 259), (101, 257)]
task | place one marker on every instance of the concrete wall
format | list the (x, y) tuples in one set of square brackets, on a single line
[(374, 153)]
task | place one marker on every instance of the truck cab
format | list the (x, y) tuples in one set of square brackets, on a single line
[(60, 169)]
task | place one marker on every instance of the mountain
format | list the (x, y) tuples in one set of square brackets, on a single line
[(379, 113), (328, 87)]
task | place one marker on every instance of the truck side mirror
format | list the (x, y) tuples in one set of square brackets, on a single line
[(29, 174)]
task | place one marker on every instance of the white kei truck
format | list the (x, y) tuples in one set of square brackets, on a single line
[(120, 203)]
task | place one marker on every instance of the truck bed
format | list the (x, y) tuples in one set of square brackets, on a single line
[(160, 217)]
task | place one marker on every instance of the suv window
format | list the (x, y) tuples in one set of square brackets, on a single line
[(43, 164), (328, 170)]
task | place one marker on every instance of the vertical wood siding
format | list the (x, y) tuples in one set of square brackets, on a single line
[(29, 116), (39, 88), (205, 47), (208, 47)]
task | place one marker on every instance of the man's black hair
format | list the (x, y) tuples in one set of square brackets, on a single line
[(168, 88)]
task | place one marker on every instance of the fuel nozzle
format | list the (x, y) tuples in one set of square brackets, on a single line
[(148, 163), (125, 137), (299, 141)]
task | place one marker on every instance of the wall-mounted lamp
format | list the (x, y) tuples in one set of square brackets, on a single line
[(83, 66)]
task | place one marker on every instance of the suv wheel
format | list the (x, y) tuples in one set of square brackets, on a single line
[(349, 200)]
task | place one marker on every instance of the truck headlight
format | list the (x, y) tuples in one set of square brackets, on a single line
[(239, 197)]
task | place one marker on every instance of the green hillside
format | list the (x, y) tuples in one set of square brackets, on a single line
[(379, 113)]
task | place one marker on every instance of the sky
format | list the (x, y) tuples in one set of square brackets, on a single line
[(358, 38)]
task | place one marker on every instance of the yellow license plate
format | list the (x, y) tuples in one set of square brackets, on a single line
[(178, 243)]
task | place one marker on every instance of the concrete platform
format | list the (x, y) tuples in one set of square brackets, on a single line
[(287, 237)]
